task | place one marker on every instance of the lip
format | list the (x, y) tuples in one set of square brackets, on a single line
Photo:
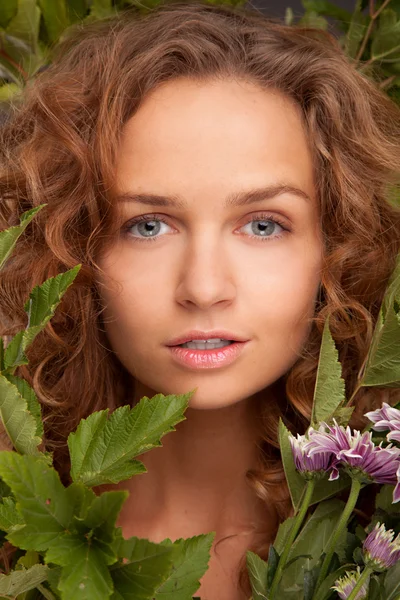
[(207, 359), (206, 335)]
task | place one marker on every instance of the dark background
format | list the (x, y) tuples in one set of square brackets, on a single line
[(276, 8)]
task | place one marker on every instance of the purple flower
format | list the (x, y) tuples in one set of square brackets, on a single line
[(357, 453), (346, 584), (309, 466), (386, 417), (381, 551), (396, 493)]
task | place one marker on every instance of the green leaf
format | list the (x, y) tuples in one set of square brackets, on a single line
[(383, 363), (101, 9), (81, 497), (324, 590), (343, 414), (149, 566), (283, 533), (85, 574), (20, 581), (9, 237), (32, 402), (102, 515), (356, 31), (258, 574), (1, 354), (313, 19), (9, 515), (273, 560), (329, 9), (386, 40), (392, 583), (190, 562), (102, 449), (25, 24), (8, 10), (55, 17), (29, 559), (295, 481), (310, 581), (40, 308), (20, 425), (313, 540), (41, 499), (289, 16), (329, 392), (384, 500), (9, 91), (76, 9), (393, 290)]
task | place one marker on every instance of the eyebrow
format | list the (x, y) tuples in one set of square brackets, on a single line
[(233, 200)]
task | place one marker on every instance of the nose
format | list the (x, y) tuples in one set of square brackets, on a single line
[(206, 275)]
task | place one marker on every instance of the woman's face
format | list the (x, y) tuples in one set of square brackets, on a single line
[(201, 261)]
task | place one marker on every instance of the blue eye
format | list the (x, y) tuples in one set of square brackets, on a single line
[(149, 227)]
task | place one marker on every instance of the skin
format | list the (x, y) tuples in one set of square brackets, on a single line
[(202, 141)]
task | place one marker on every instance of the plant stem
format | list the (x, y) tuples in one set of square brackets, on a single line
[(348, 509), (374, 16), (359, 385), (292, 535), (364, 576)]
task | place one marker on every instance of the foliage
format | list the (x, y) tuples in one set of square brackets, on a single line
[(68, 545), (29, 29), (73, 548)]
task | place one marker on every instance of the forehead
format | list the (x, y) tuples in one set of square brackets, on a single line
[(211, 136)]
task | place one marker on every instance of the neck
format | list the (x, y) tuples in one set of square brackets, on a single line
[(196, 481)]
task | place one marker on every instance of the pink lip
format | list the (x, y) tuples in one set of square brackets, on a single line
[(207, 359)]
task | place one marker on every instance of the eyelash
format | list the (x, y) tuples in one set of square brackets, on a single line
[(155, 217)]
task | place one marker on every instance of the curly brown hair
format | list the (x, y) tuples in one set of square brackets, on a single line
[(59, 147)]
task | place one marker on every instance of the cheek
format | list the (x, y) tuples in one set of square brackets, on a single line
[(285, 299)]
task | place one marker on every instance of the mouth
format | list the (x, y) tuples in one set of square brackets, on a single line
[(206, 345), (207, 358)]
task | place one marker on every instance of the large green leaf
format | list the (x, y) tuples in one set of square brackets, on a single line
[(25, 24), (102, 514), (313, 541), (258, 574), (190, 562), (329, 392), (356, 31), (328, 9), (40, 308), (148, 567), (386, 41), (86, 553), (20, 581), (8, 91), (102, 449), (9, 237), (101, 9), (296, 483), (8, 10), (383, 364), (76, 10), (20, 425), (392, 583), (85, 574), (55, 17), (41, 499), (32, 402)]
